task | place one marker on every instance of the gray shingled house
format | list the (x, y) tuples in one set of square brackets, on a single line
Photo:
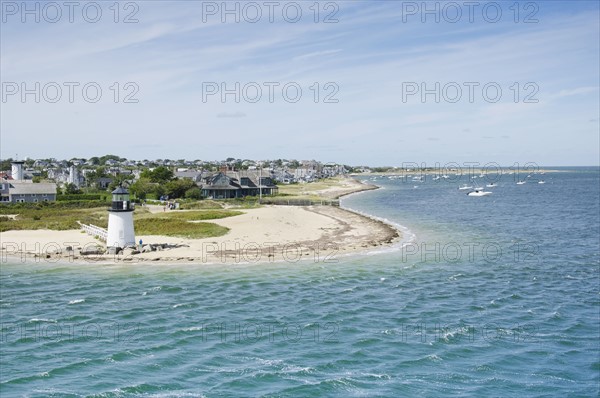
[(27, 191), (237, 184)]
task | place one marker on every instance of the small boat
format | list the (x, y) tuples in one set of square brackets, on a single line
[(479, 189), (479, 193), (520, 182), (435, 178), (541, 182), (465, 186), (492, 185)]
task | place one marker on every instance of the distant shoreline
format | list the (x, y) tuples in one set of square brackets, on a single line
[(462, 172)]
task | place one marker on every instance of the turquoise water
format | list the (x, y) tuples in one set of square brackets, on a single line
[(492, 296)]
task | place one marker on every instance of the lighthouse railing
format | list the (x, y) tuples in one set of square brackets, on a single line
[(94, 230)]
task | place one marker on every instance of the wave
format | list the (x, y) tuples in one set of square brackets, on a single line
[(34, 320)]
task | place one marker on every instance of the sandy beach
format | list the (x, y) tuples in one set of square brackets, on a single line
[(344, 187), (264, 234)]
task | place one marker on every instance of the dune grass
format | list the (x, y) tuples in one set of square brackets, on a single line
[(179, 223), (200, 204), (179, 228), (58, 219), (199, 215), (313, 191), (170, 224)]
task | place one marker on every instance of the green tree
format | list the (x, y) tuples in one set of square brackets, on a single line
[(71, 189), (177, 188), (120, 180), (159, 175), (104, 158), (142, 187), (93, 177), (193, 193), (5, 164)]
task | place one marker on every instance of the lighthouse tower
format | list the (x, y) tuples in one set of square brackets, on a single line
[(17, 170), (120, 220)]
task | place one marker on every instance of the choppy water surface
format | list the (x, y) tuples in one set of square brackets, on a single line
[(494, 296)]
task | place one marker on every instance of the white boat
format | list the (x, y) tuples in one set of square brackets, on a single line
[(541, 182), (465, 186), (492, 185), (479, 189), (520, 182), (479, 193), (435, 178)]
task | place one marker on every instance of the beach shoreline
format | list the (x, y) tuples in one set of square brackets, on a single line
[(268, 234)]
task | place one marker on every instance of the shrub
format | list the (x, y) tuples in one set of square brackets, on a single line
[(193, 193), (69, 197)]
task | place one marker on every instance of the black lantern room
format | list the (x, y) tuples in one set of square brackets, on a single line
[(120, 200)]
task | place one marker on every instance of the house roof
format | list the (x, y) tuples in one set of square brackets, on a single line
[(234, 180), (120, 190), (188, 174), (22, 188)]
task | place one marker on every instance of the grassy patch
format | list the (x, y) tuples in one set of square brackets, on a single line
[(308, 188), (203, 215), (179, 228), (192, 215), (59, 218), (200, 204), (18, 208), (248, 202)]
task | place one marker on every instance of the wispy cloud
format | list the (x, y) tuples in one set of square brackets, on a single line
[(368, 54)]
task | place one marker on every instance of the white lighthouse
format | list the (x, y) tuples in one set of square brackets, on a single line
[(73, 176), (17, 170), (120, 221)]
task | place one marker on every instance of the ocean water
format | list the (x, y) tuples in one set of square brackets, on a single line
[(487, 296)]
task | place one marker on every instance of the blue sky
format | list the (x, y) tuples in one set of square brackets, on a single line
[(373, 53)]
